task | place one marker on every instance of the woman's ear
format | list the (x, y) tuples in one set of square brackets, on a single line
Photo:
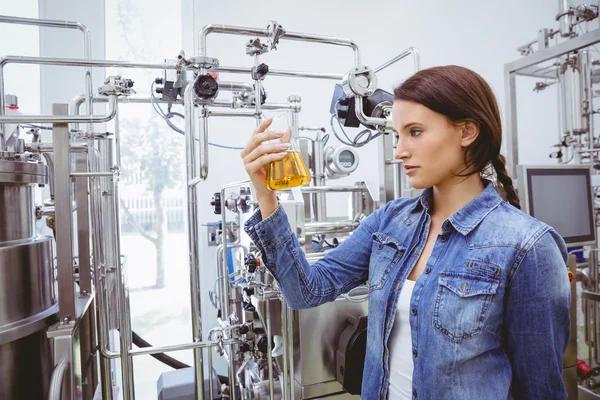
[(469, 132)]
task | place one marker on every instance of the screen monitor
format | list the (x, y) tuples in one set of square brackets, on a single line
[(562, 197)]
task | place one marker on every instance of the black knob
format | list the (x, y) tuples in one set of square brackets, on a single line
[(259, 71), (344, 101), (159, 90), (251, 262), (244, 329), (216, 203), (244, 347), (342, 114), (206, 87), (262, 344)]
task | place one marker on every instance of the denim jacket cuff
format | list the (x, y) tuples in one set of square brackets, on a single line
[(270, 233)]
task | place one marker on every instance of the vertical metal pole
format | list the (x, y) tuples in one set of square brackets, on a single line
[(270, 348), (123, 303), (2, 110), (318, 161), (290, 333), (210, 373), (257, 94), (64, 215), (193, 172), (286, 352), (512, 151), (83, 228), (99, 273)]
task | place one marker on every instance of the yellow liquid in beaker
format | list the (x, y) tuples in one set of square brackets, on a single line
[(288, 172)]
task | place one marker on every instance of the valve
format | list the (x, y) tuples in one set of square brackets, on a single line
[(251, 262), (206, 88), (216, 203), (244, 347)]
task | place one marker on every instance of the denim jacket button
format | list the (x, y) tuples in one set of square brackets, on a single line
[(380, 246), (444, 238), (414, 311), (415, 394), (427, 270), (263, 232), (415, 353)]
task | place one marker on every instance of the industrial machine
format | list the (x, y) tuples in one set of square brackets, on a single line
[(562, 57), (65, 324)]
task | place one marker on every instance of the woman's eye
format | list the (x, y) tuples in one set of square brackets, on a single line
[(415, 132)]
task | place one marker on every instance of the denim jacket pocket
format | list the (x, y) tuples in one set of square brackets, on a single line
[(385, 254), (462, 303)]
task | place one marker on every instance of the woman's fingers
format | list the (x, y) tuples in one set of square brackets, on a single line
[(265, 149), (262, 161)]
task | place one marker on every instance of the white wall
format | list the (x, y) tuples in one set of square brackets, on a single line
[(21, 80), (60, 84)]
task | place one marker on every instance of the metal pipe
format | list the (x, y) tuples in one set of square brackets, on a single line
[(64, 119), (360, 114), (269, 348), (48, 147), (210, 374), (223, 275), (315, 228), (404, 54), (284, 328), (79, 62), (330, 189), (303, 37), (90, 174), (318, 167), (264, 106), (56, 382), (87, 49), (179, 347), (257, 93), (285, 73), (563, 17), (125, 334), (64, 214), (192, 172), (232, 113), (290, 319), (235, 86)]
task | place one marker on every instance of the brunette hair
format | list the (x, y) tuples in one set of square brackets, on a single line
[(462, 95)]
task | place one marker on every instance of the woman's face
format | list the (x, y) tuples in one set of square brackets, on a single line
[(430, 145)]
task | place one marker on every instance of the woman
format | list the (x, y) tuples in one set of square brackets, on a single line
[(468, 296)]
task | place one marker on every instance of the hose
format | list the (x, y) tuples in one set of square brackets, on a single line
[(166, 359)]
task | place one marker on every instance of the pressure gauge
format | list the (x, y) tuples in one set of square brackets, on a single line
[(340, 161)]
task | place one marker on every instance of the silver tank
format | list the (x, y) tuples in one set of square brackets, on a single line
[(28, 302)]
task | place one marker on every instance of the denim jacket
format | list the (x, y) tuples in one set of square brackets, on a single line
[(489, 315)]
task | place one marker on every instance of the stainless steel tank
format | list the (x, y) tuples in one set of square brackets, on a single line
[(28, 302)]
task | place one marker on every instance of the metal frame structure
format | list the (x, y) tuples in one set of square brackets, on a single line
[(96, 300)]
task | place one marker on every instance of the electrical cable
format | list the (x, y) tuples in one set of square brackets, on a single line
[(356, 141), (167, 118)]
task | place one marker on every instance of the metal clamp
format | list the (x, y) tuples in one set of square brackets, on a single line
[(204, 62), (116, 86), (256, 47), (361, 81)]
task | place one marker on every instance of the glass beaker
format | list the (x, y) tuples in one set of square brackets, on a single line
[(291, 170)]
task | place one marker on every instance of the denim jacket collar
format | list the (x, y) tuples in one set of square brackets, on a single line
[(468, 217)]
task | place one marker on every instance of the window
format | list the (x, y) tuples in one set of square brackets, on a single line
[(152, 186)]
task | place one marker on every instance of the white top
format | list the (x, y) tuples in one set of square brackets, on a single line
[(400, 345)]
